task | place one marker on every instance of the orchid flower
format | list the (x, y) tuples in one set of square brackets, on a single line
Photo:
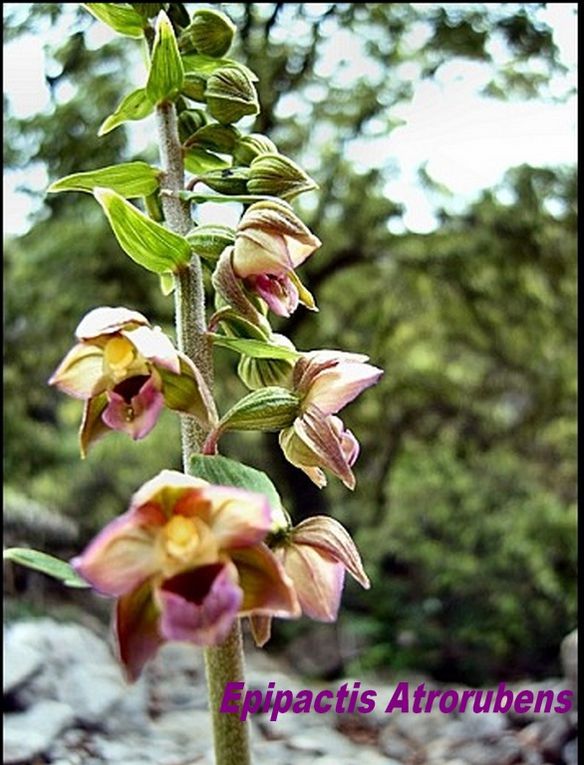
[(185, 561), (326, 381), (270, 242), (315, 555), (126, 371)]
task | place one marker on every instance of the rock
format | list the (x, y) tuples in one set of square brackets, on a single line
[(176, 678), (20, 663), (316, 653), (31, 733), (553, 684), (396, 746), (287, 725), (569, 657), (324, 741), (570, 752), (500, 750), (547, 735), (474, 726)]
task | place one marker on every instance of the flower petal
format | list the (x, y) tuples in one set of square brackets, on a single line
[(260, 252), (136, 630), (188, 392), (123, 554), (328, 536), (106, 321), (200, 605), (155, 346), (92, 426), (165, 490), (261, 628), (138, 415), (318, 581), (280, 293), (238, 518), (81, 373), (334, 387), (266, 587)]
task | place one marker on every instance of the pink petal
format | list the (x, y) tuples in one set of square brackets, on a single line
[(155, 346), (349, 444), (334, 387), (136, 630), (123, 554), (318, 581), (165, 490), (279, 293), (266, 587), (81, 374), (107, 321), (238, 518), (200, 605), (132, 409)]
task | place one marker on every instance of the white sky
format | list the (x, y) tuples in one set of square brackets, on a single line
[(466, 141)]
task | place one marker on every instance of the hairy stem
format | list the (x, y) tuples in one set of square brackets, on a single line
[(224, 663)]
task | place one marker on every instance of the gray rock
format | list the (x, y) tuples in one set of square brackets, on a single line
[(20, 663), (287, 725), (31, 733), (92, 690), (569, 656), (190, 729), (547, 735), (396, 746), (324, 741), (176, 678), (501, 750), (570, 752)]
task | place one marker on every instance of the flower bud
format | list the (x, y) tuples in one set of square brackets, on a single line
[(194, 85), (278, 176), (230, 180), (190, 121), (210, 32), (209, 241), (249, 147), (231, 95), (220, 138), (268, 409), (258, 373)]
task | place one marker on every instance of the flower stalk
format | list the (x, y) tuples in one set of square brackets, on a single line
[(224, 663)]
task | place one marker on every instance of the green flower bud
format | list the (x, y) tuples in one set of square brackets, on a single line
[(190, 121), (220, 138), (231, 95), (231, 180), (209, 241), (278, 176), (251, 146), (268, 409), (210, 32), (194, 85), (262, 373)]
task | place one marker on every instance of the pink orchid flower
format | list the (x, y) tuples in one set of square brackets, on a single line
[(270, 242), (185, 561), (126, 371), (326, 381), (315, 555)]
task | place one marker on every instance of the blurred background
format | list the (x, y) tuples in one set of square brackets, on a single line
[(443, 141)]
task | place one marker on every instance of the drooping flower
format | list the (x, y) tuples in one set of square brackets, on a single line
[(126, 371), (326, 381), (185, 561), (315, 555), (270, 242)]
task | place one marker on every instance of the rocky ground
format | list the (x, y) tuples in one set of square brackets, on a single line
[(66, 704)]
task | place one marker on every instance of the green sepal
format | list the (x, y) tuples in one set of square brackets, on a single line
[(166, 74), (131, 179), (231, 181), (135, 106), (145, 241), (167, 283), (256, 349), (222, 471), (120, 17), (268, 409), (199, 161), (215, 137), (209, 241), (210, 32), (47, 564), (230, 95), (278, 176)]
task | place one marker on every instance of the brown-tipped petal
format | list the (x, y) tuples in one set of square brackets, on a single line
[(136, 630), (267, 589), (166, 489), (334, 387), (81, 373), (92, 426), (331, 538), (261, 629), (319, 435), (318, 581), (229, 288), (106, 321)]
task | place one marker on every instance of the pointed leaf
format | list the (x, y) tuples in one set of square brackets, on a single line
[(47, 564), (144, 240), (167, 283), (256, 348), (200, 161), (131, 179), (135, 106), (166, 74), (122, 18), (268, 409)]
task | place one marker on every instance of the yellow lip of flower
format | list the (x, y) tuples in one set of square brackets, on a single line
[(118, 354), (187, 542)]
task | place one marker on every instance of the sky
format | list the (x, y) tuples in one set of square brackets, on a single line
[(466, 141)]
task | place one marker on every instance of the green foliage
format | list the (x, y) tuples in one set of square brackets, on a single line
[(47, 564), (130, 179), (166, 74)]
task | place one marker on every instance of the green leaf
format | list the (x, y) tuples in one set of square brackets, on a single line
[(121, 17), (166, 74), (135, 106), (215, 137), (246, 199), (201, 161), (225, 472), (145, 241), (167, 283), (255, 348), (47, 564), (132, 179), (268, 409)]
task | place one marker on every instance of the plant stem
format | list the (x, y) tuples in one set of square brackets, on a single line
[(224, 663)]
